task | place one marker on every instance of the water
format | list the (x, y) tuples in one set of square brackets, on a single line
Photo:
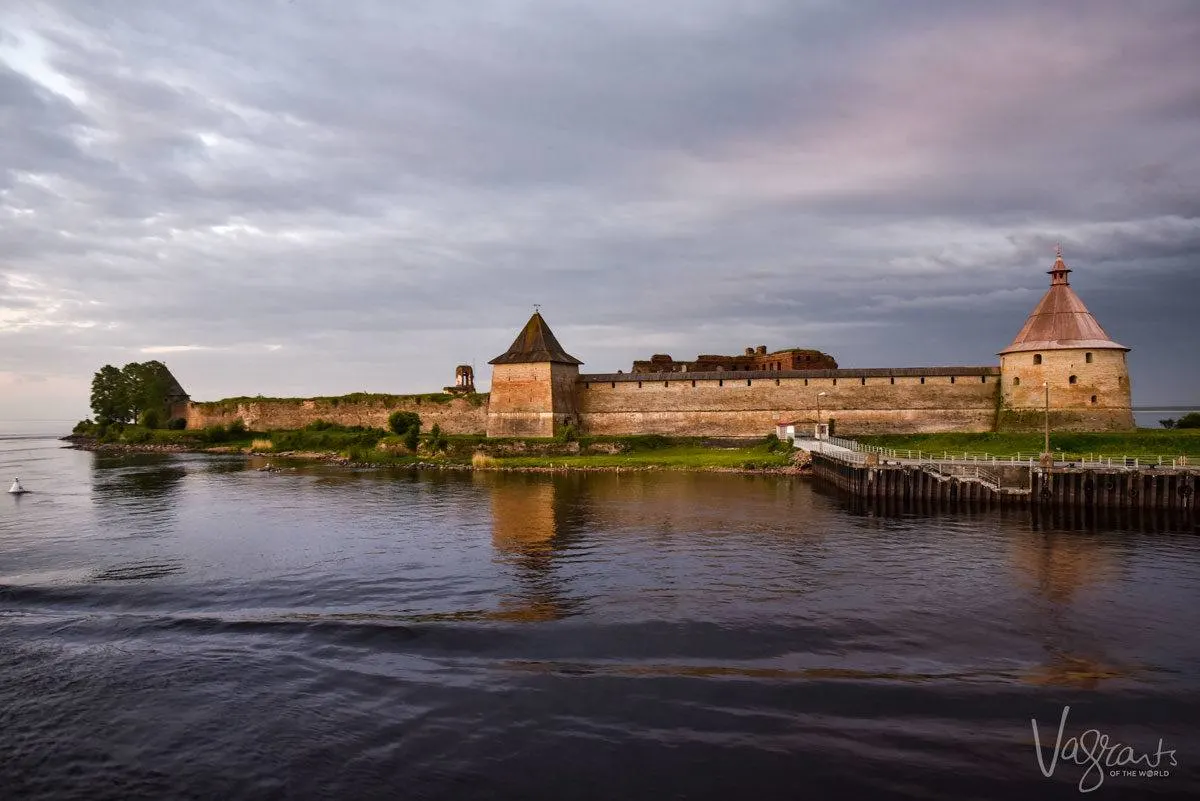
[(189, 627)]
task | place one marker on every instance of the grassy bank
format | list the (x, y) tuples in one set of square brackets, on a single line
[(373, 446), (1142, 443)]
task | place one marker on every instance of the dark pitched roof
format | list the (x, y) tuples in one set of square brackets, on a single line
[(174, 390), (535, 343), (1060, 321)]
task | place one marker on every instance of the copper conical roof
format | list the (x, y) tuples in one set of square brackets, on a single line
[(1060, 321), (535, 343)]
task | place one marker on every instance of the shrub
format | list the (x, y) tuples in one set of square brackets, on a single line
[(567, 433), (150, 418), (1190, 420), (772, 441), (84, 427), (177, 423), (401, 422), (137, 436), (482, 460), (437, 440), (237, 428), (412, 438)]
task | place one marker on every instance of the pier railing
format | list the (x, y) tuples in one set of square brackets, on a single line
[(1019, 459)]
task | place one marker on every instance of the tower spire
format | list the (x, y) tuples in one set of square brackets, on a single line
[(1058, 273)]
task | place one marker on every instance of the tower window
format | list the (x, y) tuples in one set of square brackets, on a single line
[(806, 382), (666, 383), (747, 382), (1087, 357), (983, 379), (1016, 381), (864, 381), (613, 384), (922, 379), (835, 382), (1072, 380), (720, 382), (1037, 358), (587, 386), (639, 385), (1093, 399), (776, 382), (892, 379), (951, 379), (693, 383)]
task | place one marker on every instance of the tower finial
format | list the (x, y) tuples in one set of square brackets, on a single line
[(537, 308), (1058, 273)]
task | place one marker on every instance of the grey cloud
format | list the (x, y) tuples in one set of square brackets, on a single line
[(385, 190)]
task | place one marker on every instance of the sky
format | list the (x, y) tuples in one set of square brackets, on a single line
[(315, 198)]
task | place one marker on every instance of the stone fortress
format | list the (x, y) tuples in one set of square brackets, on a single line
[(1060, 357)]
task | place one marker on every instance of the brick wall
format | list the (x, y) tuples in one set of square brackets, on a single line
[(459, 415), (1097, 399), (862, 402)]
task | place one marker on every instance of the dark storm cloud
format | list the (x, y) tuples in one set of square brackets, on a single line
[(248, 189)]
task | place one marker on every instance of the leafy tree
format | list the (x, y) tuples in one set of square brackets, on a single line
[(412, 438), (437, 440), (1189, 420), (110, 396), (1168, 423), (148, 384), (401, 422)]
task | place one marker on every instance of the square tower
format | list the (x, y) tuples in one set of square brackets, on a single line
[(533, 385)]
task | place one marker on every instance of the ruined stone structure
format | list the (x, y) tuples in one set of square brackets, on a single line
[(464, 379), (754, 359), (537, 390)]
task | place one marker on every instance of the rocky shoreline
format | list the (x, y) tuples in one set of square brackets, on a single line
[(800, 466)]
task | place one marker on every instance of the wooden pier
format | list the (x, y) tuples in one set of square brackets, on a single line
[(1171, 490)]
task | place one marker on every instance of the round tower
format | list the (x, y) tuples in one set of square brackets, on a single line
[(1062, 349)]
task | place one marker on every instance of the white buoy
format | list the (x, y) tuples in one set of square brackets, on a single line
[(16, 488)]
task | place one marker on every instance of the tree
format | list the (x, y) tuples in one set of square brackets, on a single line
[(1168, 423), (1189, 420), (110, 396), (148, 384), (401, 422)]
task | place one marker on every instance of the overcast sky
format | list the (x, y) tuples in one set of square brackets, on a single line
[(314, 197)]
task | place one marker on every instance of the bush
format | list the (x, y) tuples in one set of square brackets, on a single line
[(1190, 420), (412, 438), (137, 436), (84, 427), (567, 433), (177, 424), (150, 418), (772, 441), (237, 428), (401, 422), (437, 440)]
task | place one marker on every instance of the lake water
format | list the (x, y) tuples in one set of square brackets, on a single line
[(190, 627)]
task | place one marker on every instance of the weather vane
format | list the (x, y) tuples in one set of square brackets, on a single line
[(537, 307), (1058, 249)]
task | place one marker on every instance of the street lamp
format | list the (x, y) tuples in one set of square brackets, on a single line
[(819, 396), (1046, 445)]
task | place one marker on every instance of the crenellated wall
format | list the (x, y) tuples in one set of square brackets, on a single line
[(456, 414), (876, 401)]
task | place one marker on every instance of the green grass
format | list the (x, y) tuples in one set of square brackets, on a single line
[(686, 456), (1142, 443)]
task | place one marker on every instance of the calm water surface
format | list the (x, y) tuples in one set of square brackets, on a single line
[(190, 627)]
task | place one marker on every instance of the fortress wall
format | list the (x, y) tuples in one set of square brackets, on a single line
[(455, 416), (862, 402), (1098, 400)]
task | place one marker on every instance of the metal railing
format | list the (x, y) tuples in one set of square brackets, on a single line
[(1019, 459)]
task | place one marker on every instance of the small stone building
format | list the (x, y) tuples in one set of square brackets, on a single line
[(533, 385)]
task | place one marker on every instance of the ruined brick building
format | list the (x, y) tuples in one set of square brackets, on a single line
[(1061, 353)]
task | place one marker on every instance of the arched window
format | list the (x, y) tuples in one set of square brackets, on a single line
[(1016, 381)]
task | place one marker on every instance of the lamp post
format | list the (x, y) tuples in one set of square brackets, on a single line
[(1046, 444), (819, 396)]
